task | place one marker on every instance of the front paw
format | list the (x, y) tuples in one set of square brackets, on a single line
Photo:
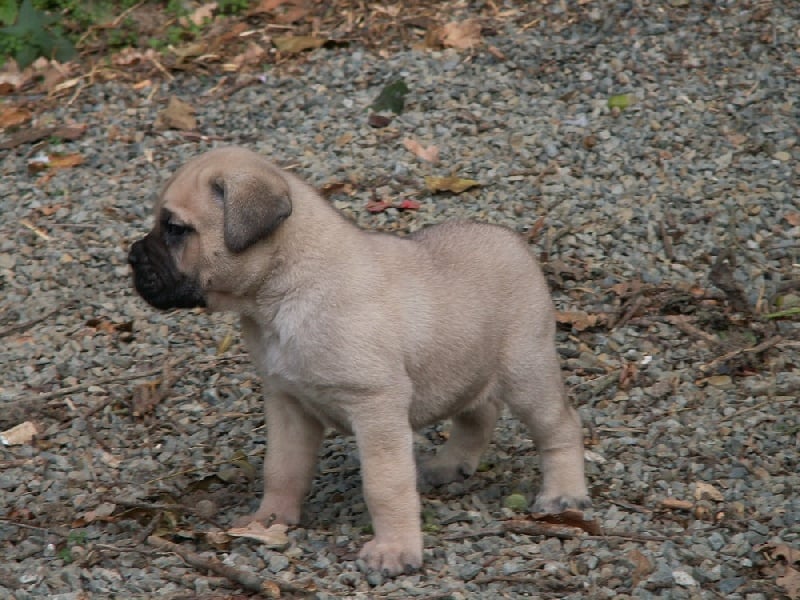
[(393, 558), (557, 504)]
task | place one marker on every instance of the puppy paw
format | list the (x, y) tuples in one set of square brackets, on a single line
[(558, 504), (392, 558)]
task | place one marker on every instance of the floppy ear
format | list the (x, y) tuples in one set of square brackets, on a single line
[(254, 205)]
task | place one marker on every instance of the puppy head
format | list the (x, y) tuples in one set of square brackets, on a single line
[(211, 215)]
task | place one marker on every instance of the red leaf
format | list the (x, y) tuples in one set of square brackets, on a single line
[(377, 206), (408, 205)]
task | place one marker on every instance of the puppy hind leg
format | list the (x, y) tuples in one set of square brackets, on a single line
[(458, 458), (536, 396)]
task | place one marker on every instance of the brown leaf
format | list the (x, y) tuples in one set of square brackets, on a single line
[(65, 161), (26, 136), (273, 536), (294, 44), (792, 218), (177, 115), (12, 116), (336, 187), (377, 206), (642, 567), (536, 228), (430, 154), (627, 374), (43, 161), (19, 434), (266, 6), (579, 319), (703, 490), (676, 504), (461, 34), (449, 184), (790, 582), (571, 518), (378, 121), (203, 13), (11, 79), (253, 55), (131, 56), (146, 396)]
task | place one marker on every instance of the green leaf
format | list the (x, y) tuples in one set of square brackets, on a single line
[(8, 11), (621, 101), (392, 97), (516, 502)]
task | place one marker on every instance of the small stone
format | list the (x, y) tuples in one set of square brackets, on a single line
[(277, 563), (782, 156), (683, 578)]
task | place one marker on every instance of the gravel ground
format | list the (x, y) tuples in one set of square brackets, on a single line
[(668, 230)]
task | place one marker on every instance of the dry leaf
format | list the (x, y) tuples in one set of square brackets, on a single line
[(19, 434), (377, 206), (579, 319), (461, 34), (408, 204), (297, 43), (431, 153), (131, 56), (101, 511), (266, 6), (14, 115), (642, 567), (177, 115), (536, 228), (790, 582), (252, 55), (273, 536), (378, 121), (676, 504), (65, 161), (449, 184), (146, 396), (225, 344), (792, 218), (203, 13), (704, 490), (571, 518), (43, 161), (10, 79)]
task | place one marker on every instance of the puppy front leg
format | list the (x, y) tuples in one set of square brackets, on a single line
[(293, 440), (390, 489)]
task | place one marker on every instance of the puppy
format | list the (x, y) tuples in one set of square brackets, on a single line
[(368, 333)]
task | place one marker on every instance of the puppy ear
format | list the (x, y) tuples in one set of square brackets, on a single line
[(254, 205)]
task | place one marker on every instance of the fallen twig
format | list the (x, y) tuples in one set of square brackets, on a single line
[(765, 345), (248, 581), (682, 323), (549, 530), (59, 531), (20, 327)]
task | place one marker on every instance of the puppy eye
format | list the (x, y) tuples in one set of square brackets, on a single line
[(176, 231)]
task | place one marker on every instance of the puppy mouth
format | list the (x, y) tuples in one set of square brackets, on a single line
[(157, 280)]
